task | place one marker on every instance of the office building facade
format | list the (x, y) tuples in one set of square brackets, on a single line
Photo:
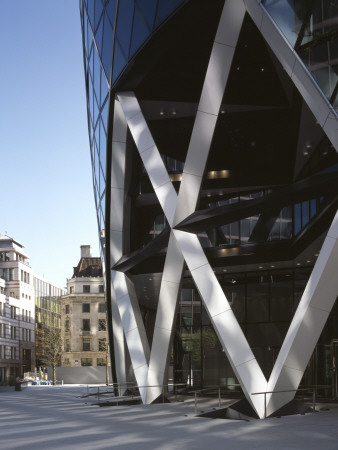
[(213, 134), (84, 322)]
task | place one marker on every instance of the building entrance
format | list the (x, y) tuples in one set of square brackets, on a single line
[(334, 361)]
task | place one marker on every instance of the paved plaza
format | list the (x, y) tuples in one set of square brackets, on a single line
[(61, 417)]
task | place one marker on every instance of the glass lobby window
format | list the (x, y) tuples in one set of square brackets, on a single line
[(258, 298)]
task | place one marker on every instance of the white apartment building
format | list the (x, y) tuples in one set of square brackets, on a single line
[(17, 318)]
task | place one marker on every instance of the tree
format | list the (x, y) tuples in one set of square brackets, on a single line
[(52, 348)]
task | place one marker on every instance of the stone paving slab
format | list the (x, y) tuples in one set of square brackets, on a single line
[(59, 417)]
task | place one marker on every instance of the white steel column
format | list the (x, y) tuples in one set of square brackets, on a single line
[(125, 308), (322, 288), (313, 310)]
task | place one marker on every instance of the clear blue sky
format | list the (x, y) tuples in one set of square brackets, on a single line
[(46, 201)]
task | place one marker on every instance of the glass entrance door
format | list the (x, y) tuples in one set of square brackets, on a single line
[(334, 356)]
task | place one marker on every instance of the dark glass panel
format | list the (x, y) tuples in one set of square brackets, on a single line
[(95, 110), (245, 230), (111, 11), (119, 60), (305, 213), (313, 208), (281, 298), (107, 50), (139, 33), (275, 232), (103, 148), (103, 207), (165, 8), (102, 182), (97, 168), (90, 101), (148, 10), (104, 113), (98, 37), (258, 301), (104, 88), (235, 294), (97, 77), (91, 12), (91, 61), (85, 36), (297, 224), (98, 11), (124, 24)]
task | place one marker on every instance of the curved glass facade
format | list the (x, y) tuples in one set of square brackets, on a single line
[(113, 31), (311, 27), (207, 135)]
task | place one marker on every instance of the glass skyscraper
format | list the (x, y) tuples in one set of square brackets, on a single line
[(213, 136)]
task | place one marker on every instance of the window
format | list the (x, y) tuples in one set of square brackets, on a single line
[(86, 289), (12, 294), (102, 345), (13, 312), (71, 289), (66, 362), (67, 309), (94, 271), (85, 324), (67, 325), (86, 344), (86, 362), (102, 325), (101, 289), (11, 274), (102, 307), (2, 309), (67, 345), (101, 361), (86, 307)]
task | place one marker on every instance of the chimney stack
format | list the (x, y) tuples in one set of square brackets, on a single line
[(86, 251)]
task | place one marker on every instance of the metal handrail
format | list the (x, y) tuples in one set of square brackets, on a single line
[(309, 388), (213, 388), (132, 385)]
